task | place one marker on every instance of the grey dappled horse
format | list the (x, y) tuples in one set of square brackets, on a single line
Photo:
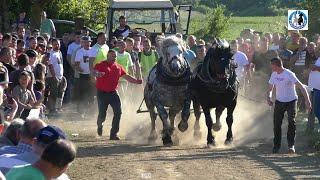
[(167, 86)]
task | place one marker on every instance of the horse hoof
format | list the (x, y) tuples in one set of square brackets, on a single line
[(216, 126), (211, 144), (197, 135), (167, 141), (228, 141), (183, 126)]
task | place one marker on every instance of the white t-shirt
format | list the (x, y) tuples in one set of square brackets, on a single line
[(56, 61), (82, 56), (285, 85), (314, 77), (72, 47), (95, 49), (242, 60)]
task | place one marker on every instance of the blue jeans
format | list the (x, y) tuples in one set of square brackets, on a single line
[(104, 100)]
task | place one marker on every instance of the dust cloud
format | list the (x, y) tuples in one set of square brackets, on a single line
[(252, 121)]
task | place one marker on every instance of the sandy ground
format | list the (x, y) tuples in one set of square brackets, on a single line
[(249, 157)]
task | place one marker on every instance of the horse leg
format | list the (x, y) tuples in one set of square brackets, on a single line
[(197, 112), (153, 133), (230, 110), (172, 114), (166, 134), (185, 113), (217, 126), (210, 137)]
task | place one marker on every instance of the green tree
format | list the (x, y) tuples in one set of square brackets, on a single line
[(313, 7), (217, 24)]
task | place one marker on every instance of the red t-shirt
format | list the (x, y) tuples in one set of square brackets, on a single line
[(109, 81)]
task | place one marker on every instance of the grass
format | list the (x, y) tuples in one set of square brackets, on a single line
[(237, 24)]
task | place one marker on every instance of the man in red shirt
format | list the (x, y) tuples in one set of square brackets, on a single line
[(108, 73)]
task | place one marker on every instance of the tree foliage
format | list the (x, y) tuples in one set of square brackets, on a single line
[(94, 12), (313, 7), (217, 23)]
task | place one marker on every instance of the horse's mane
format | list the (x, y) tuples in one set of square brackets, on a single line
[(170, 41)]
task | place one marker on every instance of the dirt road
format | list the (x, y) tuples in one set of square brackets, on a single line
[(250, 156)]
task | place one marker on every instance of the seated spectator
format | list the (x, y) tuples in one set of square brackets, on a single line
[(29, 130), (11, 135), (46, 136), (54, 161), (23, 96), (123, 30)]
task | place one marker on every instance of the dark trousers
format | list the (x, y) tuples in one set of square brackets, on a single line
[(315, 111), (279, 110), (104, 100), (85, 89), (56, 92)]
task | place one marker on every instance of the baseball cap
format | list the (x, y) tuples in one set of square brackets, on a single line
[(86, 38), (50, 134), (31, 53)]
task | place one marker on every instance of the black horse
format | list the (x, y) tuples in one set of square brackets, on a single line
[(215, 86)]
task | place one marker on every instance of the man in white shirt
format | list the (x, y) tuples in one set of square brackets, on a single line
[(85, 84), (99, 51), (56, 82), (242, 61), (314, 84), (284, 81)]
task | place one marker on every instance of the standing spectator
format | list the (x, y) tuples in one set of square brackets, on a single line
[(242, 62), (108, 73), (29, 130), (192, 43), (284, 81), (32, 43), (20, 47), (293, 44), (85, 85), (7, 39), (138, 47), (35, 33), (256, 42), (55, 160), (300, 61), (6, 59), (275, 41), (71, 54), (99, 51), (134, 57), (148, 58), (200, 54), (56, 82), (47, 25), (1, 39), (22, 33), (32, 54), (284, 53), (123, 30), (314, 84), (22, 19)]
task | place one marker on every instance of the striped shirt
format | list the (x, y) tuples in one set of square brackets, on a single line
[(20, 148)]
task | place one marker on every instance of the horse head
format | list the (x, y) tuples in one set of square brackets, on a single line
[(172, 53), (219, 60)]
